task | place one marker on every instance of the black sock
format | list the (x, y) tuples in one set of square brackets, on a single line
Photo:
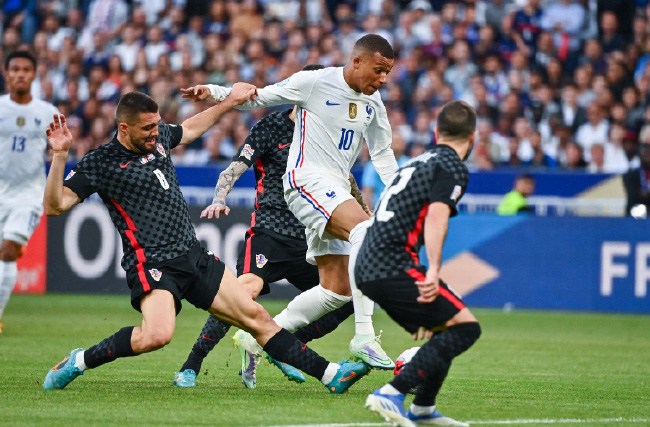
[(117, 345), (325, 324), (213, 331), (285, 347), (431, 363), (428, 390)]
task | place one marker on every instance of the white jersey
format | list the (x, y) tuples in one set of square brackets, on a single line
[(332, 120), (23, 142)]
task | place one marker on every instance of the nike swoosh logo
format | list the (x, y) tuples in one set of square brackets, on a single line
[(349, 377), (281, 146), (206, 338), (331, 103), (125, 164)]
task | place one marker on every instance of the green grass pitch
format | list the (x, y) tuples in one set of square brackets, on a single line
[(557, 368)]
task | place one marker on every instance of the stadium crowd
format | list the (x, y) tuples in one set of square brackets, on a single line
[(556, 83)]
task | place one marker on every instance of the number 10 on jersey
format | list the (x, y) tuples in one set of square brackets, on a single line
[(347, 136)]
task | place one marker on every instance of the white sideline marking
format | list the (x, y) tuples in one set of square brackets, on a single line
[(495, 422)]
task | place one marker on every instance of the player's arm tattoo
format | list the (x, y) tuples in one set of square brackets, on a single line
[(354, 190), (227, 179)]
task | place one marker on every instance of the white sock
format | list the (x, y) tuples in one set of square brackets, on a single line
[(389, 390), (422, 410), (309, 306), (8, 273), (330, 372), (79, 361), (363, 306)]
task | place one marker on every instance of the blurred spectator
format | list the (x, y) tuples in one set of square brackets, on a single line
[(539, 157), (105, 17), (128, 49), (637, 181), (594, 131), (573, 115), (597, 163), (527, 23), (574, 157), (609, 38), (457, 75), (516, 201), (565, 20)]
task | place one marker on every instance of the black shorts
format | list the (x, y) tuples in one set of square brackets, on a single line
[(398, 296), (272, 257), (195, 276)]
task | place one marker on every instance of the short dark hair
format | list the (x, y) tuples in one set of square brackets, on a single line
[(375, 43), (20, 54), (525, 177), (133, 104), (313, 67), (456, 121)]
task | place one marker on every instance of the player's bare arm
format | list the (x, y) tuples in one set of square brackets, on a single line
[(197, 125), (58, 198), (354, 190), (436, 224), (226, 181)]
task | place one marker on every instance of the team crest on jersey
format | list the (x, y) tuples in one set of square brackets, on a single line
[(261, 260), (147, 158), (353, 110), (247, 151), (455, 194), (20, 121), (366, 123), (155, 274), (37, 121), (70, 175), (161, 150)]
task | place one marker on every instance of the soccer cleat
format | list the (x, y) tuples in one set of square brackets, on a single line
[(348, 374), (187, 378), (249, 360), (435, 419), (391, 407), (63, 372), (370, 352), (289, 371)]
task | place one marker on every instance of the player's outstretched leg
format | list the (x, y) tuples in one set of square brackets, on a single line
[(364, 346), (213, 331)]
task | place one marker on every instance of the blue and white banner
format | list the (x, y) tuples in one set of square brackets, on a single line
[(565, 263)]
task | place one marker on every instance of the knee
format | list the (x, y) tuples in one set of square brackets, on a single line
[(252, 284), (157, 338)]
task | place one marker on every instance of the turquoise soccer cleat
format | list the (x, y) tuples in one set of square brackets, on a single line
[(435, 419), (389, 406), (186, 378), (63, 372), (348, 374), (289, 371)]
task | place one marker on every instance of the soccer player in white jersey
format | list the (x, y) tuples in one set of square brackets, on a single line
[(23, 121), (338, 107)]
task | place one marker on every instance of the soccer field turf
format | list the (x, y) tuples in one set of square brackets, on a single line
[(532, 368)]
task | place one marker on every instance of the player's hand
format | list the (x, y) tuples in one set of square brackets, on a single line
[(428, 288), (196, 93), (59, 135), (214, 210), (242, 92), (422, 333)]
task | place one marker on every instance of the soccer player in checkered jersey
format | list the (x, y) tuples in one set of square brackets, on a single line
[(164, 262), (338, 107), (414, 209), (23, 121), (275, 244)]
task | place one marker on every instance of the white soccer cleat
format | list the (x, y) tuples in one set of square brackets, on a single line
[(435, 419), (368, 350)]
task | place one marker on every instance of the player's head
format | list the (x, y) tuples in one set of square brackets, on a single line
[(313, 67), (372, 59), (20, 71), (525, 184), (137, 121), (456, 126)]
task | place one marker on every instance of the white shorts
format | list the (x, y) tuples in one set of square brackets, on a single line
[(18, 223), (312, 201)]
